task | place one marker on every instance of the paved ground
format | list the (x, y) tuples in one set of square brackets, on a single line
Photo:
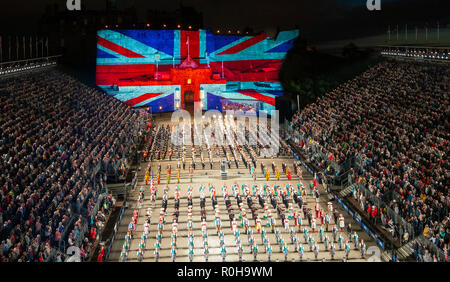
[(235, 176)]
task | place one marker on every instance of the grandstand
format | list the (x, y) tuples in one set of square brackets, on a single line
[(385, 135), (378, 143), (100, 159), (58, 145)]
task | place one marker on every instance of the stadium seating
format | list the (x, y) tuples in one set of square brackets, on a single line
[(55, 135), (394, 119)]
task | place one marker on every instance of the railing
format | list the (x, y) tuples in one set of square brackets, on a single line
[(379, 203), (432, 247), (358, 163), (12, 67), (133, 185), (354, 215), (313, 146), (116, 228)]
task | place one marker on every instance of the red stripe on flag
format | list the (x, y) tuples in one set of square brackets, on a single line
[(258, 96), (117, 48), (141, 98), (243, 45)]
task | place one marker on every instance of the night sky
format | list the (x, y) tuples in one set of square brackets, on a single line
[(316, 18)]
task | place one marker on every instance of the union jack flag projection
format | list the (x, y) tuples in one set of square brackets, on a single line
[(169, 69)]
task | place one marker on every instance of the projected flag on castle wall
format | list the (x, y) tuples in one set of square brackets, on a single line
[(170, 69)]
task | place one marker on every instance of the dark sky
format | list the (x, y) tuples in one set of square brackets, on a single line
[(324, 17)]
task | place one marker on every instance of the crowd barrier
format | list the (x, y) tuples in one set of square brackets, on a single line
[(122, 210), (355, 215), (358, 162)]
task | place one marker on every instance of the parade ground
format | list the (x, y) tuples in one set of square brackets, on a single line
[(207, 177)]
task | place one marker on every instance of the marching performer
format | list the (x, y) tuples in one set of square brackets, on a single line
[(157, 244), (140, 255), (254, 251), (203, 226), (190, 225), (251, 240), (341, 222), (125, 246), (159, 236), (269, 251), (355, 239), (299, 186), (156, 253), (332, 251), (250, 233), (295, 243), (362, 247), (240, 251), (266, 212), (218, 224), (206, 252), (341, 241), (174, 236), (277, 234), (131, 228), (347, 249), (317, 209), (173, 243), (224, 253), (313, 224), (294, 217), (173, 253), (123, 255), (327, 221), (311, 242), (238, 241), (246, 225), (285, 251), (168, 174), (142, 244), (334, 230), (292, 234), (286, 224), (322, 217), (281, 243), (299, 221), (327, 242), (128, 239), (305, 234), (266, 241), (300, 251), (271, 223), (234, 226), (263, 233), (147, 177), (321, 233), (191, 240), (191, 253), (258, 225), (316, 250)]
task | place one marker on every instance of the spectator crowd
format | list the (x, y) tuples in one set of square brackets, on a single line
[(394, 118), (55, 132)]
